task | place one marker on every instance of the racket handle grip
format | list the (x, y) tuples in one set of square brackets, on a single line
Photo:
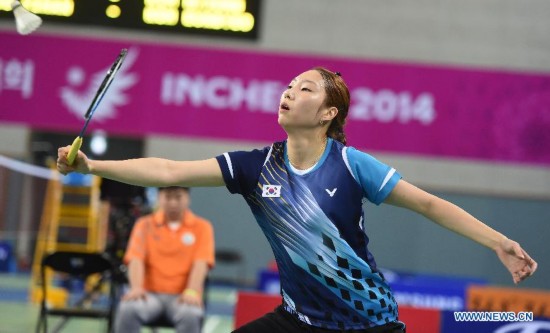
[(75, 147)]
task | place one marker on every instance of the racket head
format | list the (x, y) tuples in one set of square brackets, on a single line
[(106, 83)]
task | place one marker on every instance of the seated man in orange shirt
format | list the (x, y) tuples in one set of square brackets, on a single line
[(168, 256)]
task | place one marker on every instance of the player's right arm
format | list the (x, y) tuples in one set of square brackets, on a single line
[(147, 172)]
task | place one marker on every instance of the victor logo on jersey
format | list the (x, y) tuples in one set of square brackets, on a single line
[(271, 191), (331, 193)]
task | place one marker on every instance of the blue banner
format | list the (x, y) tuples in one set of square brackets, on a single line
[(430, 291)]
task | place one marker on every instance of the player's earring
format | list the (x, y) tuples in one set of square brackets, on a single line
[(322, 122)]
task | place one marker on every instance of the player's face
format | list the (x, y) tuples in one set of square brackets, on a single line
[(174, 202), (302, 101)]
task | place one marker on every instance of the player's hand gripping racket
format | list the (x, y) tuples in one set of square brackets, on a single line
[(77, 143)]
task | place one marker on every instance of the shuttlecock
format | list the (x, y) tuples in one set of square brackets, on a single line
[(25, 21)]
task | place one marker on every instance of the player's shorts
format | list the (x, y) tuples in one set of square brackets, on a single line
[(280, 321)]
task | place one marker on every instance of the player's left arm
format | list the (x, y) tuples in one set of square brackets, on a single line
[(454, 218)]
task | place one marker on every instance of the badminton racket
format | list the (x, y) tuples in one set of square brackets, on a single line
[(77, 143)]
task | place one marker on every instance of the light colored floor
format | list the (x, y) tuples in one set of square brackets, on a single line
[(17, 315)]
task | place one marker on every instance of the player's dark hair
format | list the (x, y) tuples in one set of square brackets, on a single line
[(338, 96)]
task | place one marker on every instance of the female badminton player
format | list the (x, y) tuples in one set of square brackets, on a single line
[(306, 193)]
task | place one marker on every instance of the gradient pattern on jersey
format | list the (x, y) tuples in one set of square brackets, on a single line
[(314, 223), (298, 229)]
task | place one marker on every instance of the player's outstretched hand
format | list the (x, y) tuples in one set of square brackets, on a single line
[(516, 260), (80, 163)]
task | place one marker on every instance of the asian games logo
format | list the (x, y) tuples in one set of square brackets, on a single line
[(82, 87)]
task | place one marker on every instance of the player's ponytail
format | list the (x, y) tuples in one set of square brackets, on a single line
[(336, 131), (338, 96)]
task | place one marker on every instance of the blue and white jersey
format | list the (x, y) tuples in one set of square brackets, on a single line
[(313, 221)]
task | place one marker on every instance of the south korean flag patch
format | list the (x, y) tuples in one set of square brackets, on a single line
[(271, 191)]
